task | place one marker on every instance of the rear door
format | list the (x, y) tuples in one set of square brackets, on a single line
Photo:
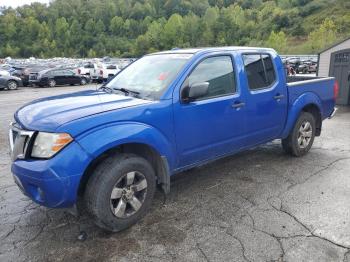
[(59, 77), (71, 78), (267, 97)]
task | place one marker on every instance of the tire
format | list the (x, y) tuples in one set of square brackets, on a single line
[(52, 83), (301, 138), (83, 81), (12, 85), (108, 198)]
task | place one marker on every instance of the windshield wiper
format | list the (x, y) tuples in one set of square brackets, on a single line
[(110, 90), (106, 89), (126, 91)]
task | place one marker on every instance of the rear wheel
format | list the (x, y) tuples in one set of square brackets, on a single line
[(120, 191), (302, 136), (52, 83), (83, 81), (12, 85)]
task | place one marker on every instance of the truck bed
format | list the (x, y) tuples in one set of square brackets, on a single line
[(322, 87), (292, 79)]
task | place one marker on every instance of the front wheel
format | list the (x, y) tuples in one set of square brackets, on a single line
[(302, 136), (12, 85), (120, 191), (83, 81)]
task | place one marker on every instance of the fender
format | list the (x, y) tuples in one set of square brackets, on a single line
[(305, 99), (99, 140)]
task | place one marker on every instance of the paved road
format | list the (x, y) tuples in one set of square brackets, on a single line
[(260, 205)]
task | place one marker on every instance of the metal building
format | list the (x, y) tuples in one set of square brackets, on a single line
[(335, 61)]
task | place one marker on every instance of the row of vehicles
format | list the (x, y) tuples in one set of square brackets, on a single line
[(49, 73), (297, 65)]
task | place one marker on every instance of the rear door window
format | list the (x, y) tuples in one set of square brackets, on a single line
[(260, 70)]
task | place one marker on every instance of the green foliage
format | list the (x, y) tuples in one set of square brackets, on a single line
[(322, 37), (125, 28), (278, 41)]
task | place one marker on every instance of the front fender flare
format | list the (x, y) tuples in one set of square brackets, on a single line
[(295, 109), (101, 139)]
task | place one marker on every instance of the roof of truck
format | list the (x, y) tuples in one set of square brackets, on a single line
[(212, 49)]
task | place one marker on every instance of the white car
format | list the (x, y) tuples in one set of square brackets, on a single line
[(103, 72), (85, 69), (4, 73)]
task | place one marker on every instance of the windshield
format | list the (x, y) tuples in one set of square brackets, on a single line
[(150, 75)]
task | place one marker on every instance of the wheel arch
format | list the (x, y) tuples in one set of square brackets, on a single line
[(315, 111), (13, 80), (307, 102), (157, 161)]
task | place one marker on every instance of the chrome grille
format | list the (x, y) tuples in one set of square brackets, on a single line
[(19, 140)]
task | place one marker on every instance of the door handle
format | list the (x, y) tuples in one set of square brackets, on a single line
[(238, 105), (278, 97)]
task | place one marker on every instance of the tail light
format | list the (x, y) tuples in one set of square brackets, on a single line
[(335, 90), (79, 71), (101, 72)]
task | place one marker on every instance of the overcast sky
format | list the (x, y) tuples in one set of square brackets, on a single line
[(15, 3)]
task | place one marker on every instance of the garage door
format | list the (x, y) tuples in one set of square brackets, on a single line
[(340, 69)]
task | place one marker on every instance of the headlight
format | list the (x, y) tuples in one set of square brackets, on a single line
[(47, 145)]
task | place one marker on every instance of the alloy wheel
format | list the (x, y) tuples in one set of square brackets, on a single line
[(304, 134), (128, 194), (12, 85)]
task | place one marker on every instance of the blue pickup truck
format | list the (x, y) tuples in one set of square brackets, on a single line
[(108, 149)]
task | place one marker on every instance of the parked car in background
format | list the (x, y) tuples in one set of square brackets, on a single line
[(53, 77), (102, 72), (4, 72), (7, 67), (307, 67), (9, 82), (23, 73), (109, 71), (167, 112), (84, 69)]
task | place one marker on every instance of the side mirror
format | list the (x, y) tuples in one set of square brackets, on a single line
[(195, 91)]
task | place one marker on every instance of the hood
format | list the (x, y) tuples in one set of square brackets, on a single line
[(47, 114)]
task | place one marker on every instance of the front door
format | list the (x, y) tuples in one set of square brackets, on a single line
[(267, 98), (340, 69), (213, 125)]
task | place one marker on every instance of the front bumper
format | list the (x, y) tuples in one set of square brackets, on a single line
[(53, 182)]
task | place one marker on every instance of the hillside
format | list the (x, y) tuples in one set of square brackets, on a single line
[(89, 28)]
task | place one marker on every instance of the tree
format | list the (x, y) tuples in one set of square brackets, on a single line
[(173, 31), (277, 41), (116, 25), (134, 27), (322, 37)]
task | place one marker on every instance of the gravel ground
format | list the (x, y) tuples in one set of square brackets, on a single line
[(260, 205)]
